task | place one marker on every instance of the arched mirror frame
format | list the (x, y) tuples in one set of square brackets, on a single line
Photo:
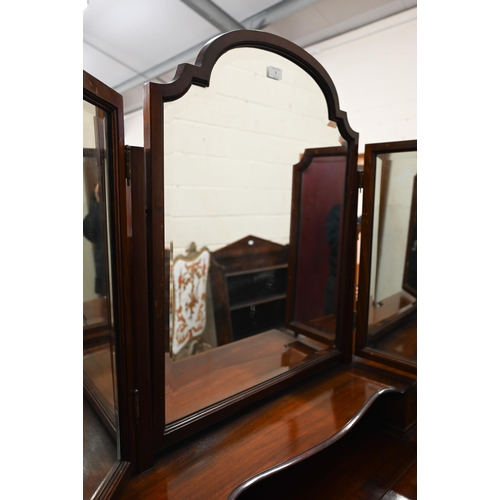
[(362, 347), (155, 97), (129, 456)]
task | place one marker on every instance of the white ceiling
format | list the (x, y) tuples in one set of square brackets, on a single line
[(127, 43)]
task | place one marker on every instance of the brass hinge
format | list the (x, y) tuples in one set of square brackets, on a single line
[(128, 165), (136, 405)]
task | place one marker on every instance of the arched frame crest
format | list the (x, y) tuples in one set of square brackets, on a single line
[(200, 73), (155, 95)]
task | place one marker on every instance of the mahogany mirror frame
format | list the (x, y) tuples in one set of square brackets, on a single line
[(362, 349), (129, 309), (346, 261), (408, 285), (155, 96)]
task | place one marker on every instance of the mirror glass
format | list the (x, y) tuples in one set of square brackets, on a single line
[(321, 203), (393, 284), (230, 150), (99, 402)]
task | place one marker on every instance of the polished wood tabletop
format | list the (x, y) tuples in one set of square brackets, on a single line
[(274, 434), (369, 463)]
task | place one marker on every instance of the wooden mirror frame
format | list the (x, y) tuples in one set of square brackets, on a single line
[(155, 97), (129, 303), (347, 253), (362, 348), (412, 235)]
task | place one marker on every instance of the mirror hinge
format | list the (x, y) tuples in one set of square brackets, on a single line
[(360, 179), (136, 405), (128, 166)]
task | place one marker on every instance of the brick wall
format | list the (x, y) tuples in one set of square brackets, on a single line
[(228, 166), (230, 150)]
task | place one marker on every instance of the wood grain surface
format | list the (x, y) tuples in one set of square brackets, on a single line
[(198, 381), (275, 433)]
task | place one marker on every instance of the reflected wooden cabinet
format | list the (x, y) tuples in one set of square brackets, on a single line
[(281, 383), (251, 275)]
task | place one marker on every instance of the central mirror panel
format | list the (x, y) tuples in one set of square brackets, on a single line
[(229, 155), (223, 141)]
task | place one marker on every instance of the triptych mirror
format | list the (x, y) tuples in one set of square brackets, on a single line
[(220, 261)]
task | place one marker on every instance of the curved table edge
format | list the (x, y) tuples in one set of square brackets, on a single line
[(315, 449)]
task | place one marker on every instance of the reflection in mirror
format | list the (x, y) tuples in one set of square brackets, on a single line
[(393, 288), (320, 204), (229, 152), (99, 402), (410, 272)]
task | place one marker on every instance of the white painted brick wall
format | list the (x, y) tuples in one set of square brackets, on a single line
[(230, 150), (234, 162), (374, 70), (389, 249)]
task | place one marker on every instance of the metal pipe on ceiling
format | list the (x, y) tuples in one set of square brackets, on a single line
[(268, 16)]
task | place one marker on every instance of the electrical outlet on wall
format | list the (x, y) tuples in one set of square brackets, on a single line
[(274, 73)]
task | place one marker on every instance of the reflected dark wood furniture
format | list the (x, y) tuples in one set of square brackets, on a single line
[(400, 339), (217, 374), (249, 280), (98, 333)]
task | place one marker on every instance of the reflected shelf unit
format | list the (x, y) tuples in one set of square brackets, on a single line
[(250, 277)]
